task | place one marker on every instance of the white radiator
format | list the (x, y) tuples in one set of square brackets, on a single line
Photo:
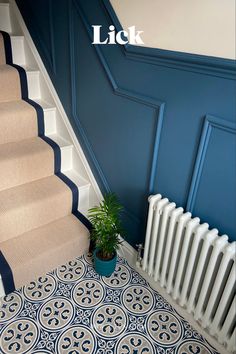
[(195, 265)]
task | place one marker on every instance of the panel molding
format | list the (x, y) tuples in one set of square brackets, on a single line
[(73, 72), (210, 122), (157, 105), (49, 54), (203, 64)]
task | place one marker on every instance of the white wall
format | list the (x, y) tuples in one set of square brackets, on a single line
[(195, 26)]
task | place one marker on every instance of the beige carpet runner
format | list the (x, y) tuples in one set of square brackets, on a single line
[(38, 230)]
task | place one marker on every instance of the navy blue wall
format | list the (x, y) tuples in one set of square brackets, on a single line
[(149, 120)]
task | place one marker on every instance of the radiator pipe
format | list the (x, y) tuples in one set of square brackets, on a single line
[(139, 254)]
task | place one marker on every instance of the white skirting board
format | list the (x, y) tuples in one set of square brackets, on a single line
[(128, 252)]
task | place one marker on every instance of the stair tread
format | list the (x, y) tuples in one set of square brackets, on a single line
[(77, 179), (21, 162), (18, 121), (14, 105), (59, 140), (57, 242), (33, 204), (44, 104), (27, 193), (2, 51), (10, 80), (42, 239), (17, 36), (30, 69), (22, 147)]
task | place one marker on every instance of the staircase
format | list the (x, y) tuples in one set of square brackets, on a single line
[(46, 185)]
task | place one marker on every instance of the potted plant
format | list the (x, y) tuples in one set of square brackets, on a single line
[(106, 229)]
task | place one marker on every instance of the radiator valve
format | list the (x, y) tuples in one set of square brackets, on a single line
[(139, 254)]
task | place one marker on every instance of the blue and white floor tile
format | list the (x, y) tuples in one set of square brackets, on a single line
[(73, 310)]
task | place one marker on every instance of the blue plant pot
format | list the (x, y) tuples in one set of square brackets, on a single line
[(104, 267)]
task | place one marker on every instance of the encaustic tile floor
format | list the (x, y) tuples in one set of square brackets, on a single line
[(73, 310)]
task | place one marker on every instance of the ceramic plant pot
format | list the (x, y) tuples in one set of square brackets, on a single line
[(104, 267)]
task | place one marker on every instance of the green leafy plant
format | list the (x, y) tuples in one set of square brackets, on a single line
[(107, 226)]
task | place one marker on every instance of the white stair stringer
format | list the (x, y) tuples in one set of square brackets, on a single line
[(57, 126)]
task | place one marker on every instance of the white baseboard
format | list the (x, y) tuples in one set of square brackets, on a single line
[(130, 254)]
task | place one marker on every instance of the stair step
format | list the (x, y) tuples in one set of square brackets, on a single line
[(66, 151), (41, 250), (32, 205), (49, 116), (21, 162), (45, 105), (18, 121), (13, 112), (5, 21), (9, 79), (84, 188), (50, 121), (18, 50), (33, 80)]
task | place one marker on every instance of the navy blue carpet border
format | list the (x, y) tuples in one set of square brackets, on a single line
[(7, 275)]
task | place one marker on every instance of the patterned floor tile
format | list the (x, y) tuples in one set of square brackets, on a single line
[(73, 310)]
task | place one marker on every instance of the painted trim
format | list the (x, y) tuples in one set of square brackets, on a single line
[(209, 123), (73, 75), (207, 65), (157, 105)]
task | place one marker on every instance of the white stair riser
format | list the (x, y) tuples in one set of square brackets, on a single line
[(5, 21), (84, 199), (33, 79), (18, 50), (66, 158), (50, 121)]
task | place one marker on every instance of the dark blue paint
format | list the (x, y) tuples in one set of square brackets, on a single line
[(106, 92)]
